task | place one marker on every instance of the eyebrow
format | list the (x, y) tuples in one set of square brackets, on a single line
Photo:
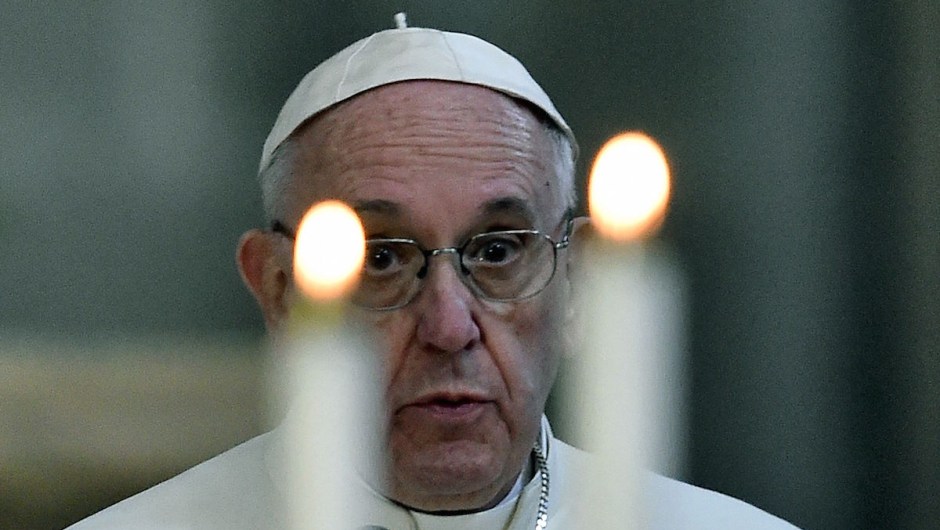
[(497, 207), (509, 205), (378, 206)]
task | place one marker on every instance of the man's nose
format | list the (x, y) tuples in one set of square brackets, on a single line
[(446, 322)]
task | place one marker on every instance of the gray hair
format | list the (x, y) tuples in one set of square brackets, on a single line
[(276, 178), (563, 154)]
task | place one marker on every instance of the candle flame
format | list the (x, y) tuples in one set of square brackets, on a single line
[(629, 187), (328, 251)]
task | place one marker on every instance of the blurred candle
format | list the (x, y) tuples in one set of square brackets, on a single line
[(330, 378), (328, 252), (621, 381)]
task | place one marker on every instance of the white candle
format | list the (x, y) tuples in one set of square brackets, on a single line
[(620, 372), (330, 377)]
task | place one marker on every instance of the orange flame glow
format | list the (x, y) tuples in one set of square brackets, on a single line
[(328, 251), (628, 187)]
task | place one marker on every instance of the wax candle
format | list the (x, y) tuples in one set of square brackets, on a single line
[(620, 369), (330, 378)]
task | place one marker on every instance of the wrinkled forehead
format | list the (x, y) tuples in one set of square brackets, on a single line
[(433, 140), (398, 112)]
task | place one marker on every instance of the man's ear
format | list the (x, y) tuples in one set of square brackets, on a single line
[(580, 233), (265, 272)]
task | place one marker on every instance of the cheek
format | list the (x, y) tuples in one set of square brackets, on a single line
[(547, 334), (392, 333), (524, 348)]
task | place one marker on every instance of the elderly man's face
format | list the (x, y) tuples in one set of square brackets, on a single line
[(466, 379)]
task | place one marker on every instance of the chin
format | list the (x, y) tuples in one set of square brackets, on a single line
[(452, 476)]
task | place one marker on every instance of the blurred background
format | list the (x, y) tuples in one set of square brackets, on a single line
[(804, 140)]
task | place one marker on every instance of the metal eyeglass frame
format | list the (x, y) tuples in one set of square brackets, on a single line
[(279, 227)]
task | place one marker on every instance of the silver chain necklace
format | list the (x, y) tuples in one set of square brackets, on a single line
[(541, 520)]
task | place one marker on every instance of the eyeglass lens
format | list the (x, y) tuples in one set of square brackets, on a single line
[(505, 265)]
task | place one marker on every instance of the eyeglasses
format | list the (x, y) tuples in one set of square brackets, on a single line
[(502, 266)]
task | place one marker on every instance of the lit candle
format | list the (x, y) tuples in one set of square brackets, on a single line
[(330, 378), (620, 369)]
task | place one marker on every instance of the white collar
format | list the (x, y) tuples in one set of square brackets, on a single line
[(376, 509)]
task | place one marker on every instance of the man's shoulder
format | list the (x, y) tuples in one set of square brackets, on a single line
[(676, 505), (228, 491)]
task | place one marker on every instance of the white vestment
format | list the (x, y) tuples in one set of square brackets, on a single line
[(243, 489)]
